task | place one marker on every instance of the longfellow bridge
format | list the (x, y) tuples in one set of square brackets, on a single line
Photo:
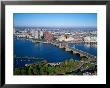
[(66, 47)]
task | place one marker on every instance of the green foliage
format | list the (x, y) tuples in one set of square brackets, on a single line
[(30, 70), (17, 71), (35, 70), (43, 68), (23, 71)]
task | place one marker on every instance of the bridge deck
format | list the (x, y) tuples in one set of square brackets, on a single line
[(74, 50)]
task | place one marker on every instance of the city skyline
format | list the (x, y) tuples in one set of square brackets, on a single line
[(68, 46), (55, 19)]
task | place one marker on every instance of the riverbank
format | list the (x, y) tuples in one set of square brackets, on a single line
[(67, 67)]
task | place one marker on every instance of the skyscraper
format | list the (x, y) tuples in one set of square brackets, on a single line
[(48, 36)]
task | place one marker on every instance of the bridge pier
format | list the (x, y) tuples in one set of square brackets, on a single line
[(75, 51)]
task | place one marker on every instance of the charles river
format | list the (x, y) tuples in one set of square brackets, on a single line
[(46, 51)]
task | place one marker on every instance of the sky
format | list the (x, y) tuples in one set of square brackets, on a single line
[(55, 19)]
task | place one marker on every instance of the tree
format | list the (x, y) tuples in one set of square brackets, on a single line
[(30, 71), (17, 71), (23, 71)]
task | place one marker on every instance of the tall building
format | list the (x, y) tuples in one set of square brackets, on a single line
[(32, 33), (36, 35), (41, 34), (48, 36)]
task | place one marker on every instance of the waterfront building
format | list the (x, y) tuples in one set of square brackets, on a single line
[(41, 34), (48, 36), (32, 33), (19, 35), (89, 39), (36, 36), (65, 38)]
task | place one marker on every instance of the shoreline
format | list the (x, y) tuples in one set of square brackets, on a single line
[(41, 59), (82, 66), (94, 43)]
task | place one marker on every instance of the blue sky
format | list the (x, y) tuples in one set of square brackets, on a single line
[(55, 19)]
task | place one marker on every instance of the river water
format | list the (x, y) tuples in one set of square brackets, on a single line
[(45, 51)]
